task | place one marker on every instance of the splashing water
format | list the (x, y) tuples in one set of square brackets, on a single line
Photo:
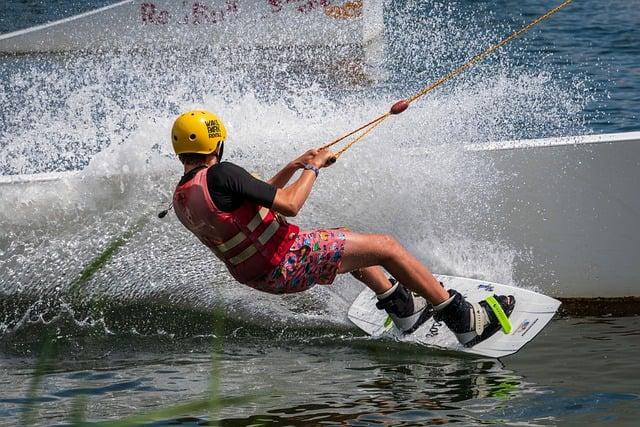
[(108, 116)]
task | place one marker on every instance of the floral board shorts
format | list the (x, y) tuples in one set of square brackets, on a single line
[(314, 258)]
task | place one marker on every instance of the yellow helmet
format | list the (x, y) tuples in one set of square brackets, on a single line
[(197, 131)]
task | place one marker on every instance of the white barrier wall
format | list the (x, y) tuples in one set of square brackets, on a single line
[(573, 206), (229, 23)]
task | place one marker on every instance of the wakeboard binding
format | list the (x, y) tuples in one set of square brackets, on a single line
[(473, 323), (407, 311)]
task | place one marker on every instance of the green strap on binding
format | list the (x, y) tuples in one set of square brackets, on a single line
[(500, 314), (388, 322)]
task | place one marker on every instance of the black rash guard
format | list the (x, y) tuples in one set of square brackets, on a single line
[(230, 186)]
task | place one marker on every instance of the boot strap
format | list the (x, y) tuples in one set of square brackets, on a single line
[(499, 313), (478, 318)]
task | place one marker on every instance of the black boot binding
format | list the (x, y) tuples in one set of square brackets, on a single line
[(407, 312), (473, 323)]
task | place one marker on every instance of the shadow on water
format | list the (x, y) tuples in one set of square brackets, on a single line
[(389, 383), (306, 379), (48, 362)]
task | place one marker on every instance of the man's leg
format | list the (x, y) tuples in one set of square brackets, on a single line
[(367, 250), (407, 312), (471, 323), (374, 278)]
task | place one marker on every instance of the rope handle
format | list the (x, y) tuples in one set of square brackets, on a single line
[(396, 108)]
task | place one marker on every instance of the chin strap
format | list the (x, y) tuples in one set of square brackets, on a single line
[(220, 150)]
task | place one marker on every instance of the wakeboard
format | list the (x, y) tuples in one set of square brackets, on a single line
[(532, 312)]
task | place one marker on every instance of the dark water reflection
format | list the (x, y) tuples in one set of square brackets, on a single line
[(578, 371)]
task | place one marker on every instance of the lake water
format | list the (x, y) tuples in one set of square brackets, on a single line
[(156, 324), (578, 372)]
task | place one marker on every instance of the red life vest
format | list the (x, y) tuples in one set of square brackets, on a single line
[(251, 240)]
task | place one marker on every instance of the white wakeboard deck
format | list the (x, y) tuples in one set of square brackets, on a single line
[(530, 315)]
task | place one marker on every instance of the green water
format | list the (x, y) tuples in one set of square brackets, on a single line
[(579, 371)]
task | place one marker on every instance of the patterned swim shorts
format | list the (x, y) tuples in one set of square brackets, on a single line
[(314, 258)]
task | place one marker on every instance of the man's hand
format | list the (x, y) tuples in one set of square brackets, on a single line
[(289, 200), (304, 159), (322, 158), (315, 157)]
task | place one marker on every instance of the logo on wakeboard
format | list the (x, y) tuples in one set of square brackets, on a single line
[(485, 286), (434, 330), (525, 326)]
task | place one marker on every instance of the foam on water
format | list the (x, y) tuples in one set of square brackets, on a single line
[(108, 117)]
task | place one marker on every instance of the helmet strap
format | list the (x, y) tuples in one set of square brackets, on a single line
[(220, 150)]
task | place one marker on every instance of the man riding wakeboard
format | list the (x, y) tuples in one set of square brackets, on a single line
[(242, 220)]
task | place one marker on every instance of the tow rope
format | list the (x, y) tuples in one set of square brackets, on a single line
[(403, 104)]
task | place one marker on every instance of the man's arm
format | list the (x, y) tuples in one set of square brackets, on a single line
[(289, 200), (281, 179)]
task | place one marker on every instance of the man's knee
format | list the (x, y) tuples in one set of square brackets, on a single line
[(378, 247), (389, 246)]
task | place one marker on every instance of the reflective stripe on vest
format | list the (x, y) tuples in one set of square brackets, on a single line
[(240, 237), (263, 238)]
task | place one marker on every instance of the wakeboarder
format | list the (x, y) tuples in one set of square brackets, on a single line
[(242, 220)]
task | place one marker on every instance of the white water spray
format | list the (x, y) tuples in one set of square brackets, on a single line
[(108, 117)]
